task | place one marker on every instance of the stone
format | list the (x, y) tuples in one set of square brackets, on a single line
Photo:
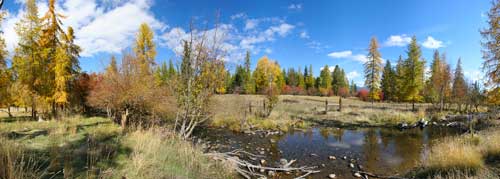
[(332, 176), (271, 173), (313, 155), (345, 157), (262, 170), (357, 175), (351, 165), (283, 161), (332, 157), (272, 140), (262, 152), (262, 161)]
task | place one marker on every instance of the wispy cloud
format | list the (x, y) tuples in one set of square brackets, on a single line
[(251, 24), (304, 35), (295, 7), (432, 43), (353, 74), (341, 54), (348, 55), (238, 16), (236, 40)]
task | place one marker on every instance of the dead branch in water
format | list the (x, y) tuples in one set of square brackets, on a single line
[(249, 170)]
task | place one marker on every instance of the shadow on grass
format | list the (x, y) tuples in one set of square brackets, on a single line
[(87, 157)]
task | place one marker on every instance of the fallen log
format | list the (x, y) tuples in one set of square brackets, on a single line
[(249, 170)]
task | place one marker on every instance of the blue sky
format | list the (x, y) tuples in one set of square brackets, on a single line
[(295, 33)]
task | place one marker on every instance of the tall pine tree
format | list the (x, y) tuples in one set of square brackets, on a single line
[(491, 52), (413, 73), (459, 89), (388, 82), (145, 48), (373, 67)]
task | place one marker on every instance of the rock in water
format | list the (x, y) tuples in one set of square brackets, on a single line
[(262, 162), (283, 161), (262, 170), (351, 165), (357, 175), (271, 173), (332, 176), (403, 125), (332, 157), (345, 158)]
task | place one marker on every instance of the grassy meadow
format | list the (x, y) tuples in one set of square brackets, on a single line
[(96, 147), (233, 112)]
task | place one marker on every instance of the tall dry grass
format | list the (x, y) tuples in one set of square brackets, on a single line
[(464, 156), (157, 153), (16, 164)]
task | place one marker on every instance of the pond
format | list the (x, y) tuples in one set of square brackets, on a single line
[(383, 151)]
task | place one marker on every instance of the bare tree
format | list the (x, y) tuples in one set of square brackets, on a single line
[(198, 79)]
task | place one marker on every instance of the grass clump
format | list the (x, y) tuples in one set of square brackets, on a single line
[(157, 153), (492, 145), (454, 154), (15, 163), (465, 156)]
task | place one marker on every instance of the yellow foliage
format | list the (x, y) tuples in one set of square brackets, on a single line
[(267, 74)]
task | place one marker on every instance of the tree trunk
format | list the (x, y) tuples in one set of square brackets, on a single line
[(413, 105), (124, 119), (9, 112)]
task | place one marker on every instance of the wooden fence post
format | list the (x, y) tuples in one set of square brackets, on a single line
[(326, 106), (250, 107), (340, 103)]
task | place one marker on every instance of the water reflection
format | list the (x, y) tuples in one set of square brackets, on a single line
[(379, 150)]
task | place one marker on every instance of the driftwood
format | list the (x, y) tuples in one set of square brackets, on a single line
[(378, 176), (249, 170)]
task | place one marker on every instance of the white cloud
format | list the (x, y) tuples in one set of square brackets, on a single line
[(362, 58), (234, 42), (268, 50), (304, 35), (398, 40), (296, 7), (251, 24), (432, 43), (283, 29), (97, 28), (353, 74), (341, 54), (238, 16), (349, 55)]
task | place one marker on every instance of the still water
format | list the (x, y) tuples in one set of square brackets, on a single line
[(381, 151)]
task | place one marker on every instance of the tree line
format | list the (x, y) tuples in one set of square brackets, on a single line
[(44, 76), (406, 82)]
